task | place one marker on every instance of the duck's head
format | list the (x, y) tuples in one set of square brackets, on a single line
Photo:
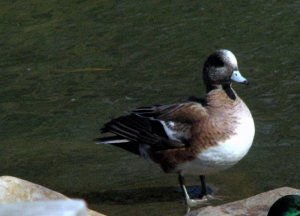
[(220, 69), (288, 205)]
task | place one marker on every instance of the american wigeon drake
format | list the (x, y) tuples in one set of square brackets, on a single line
[(196, 137)]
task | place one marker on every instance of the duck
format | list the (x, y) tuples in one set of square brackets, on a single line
[(288, 205), (199, 136)]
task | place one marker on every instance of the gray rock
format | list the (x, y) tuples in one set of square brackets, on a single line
[(14, 190), (257, 205)]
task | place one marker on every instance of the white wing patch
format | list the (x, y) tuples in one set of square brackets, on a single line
[(168, 129)]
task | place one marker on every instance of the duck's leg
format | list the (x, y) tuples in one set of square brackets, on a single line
[(204, 195), (190, 202), (203, 186)]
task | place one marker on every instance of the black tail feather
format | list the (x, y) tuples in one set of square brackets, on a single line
[(125, 126), (108, 139), (118, 141)]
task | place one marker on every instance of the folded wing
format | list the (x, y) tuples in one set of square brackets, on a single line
[(154, 128)]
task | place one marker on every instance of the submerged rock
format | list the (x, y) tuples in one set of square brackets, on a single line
[(14, 190), (257, 205)]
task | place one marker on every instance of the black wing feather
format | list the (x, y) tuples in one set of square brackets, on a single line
[(138, 130)]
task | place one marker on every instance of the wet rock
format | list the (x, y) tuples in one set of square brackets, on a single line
[(257, 205), (14, 190)]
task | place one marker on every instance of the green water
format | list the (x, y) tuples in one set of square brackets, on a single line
[(66, 67)]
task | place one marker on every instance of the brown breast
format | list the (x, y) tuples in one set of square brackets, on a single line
[(218, 125)]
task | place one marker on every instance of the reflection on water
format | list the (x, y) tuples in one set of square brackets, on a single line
[(52, 104)]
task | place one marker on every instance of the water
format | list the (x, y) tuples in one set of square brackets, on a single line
[(66, 68)]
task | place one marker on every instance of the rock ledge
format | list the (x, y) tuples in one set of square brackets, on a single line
[(14, 190), (257, 205)]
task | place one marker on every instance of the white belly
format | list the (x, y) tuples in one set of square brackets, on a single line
[(226, 153)]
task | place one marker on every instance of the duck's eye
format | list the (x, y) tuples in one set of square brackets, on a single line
[(216, 61)]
